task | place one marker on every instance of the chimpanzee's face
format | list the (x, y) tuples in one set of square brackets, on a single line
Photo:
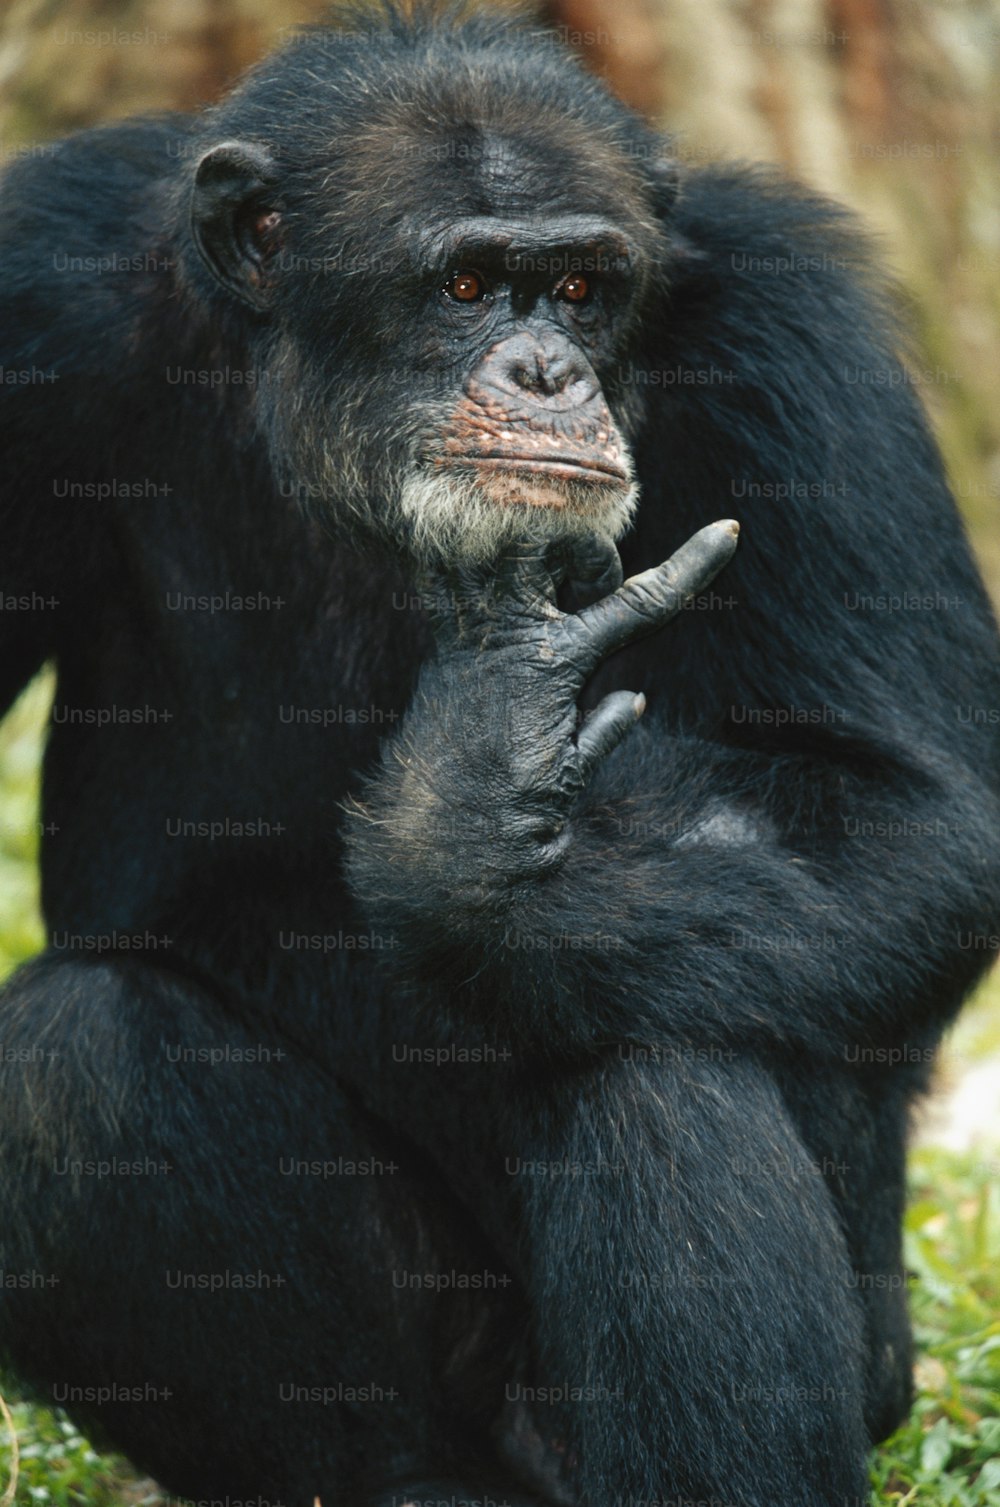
[(447, 330), (520, 438)]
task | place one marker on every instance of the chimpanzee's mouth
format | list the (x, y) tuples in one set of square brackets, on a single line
[(548, 468), (472, 507)]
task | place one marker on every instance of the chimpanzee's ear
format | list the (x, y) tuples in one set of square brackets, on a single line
[(234, 218)]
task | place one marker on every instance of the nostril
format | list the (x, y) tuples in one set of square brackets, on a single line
[(548, 379), (529, 372), (580, 388), (557, 377), (547, 371)]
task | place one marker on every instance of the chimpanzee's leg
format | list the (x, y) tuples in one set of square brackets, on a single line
[(698, 1332), (219, 1261)]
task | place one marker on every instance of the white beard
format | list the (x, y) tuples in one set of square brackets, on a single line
[(454, 519)]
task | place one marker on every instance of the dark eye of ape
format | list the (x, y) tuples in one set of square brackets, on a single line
[(466, 287), (574, 289)]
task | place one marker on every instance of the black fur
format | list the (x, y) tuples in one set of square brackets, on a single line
[(661, 1144)]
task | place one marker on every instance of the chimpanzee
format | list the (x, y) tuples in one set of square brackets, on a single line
[(472, 1055)]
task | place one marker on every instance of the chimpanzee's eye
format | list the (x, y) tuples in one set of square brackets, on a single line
[(465, 287), (575, 289)]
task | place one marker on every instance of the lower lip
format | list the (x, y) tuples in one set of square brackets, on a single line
[(551, 470)]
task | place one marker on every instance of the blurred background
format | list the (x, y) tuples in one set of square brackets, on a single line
[(890, 105)]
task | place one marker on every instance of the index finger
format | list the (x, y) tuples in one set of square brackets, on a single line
[(645, 602)]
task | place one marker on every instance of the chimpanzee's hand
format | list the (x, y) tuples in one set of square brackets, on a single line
[(496, 713)]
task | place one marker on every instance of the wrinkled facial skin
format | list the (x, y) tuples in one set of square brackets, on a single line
[(527, 445), (446, 397)]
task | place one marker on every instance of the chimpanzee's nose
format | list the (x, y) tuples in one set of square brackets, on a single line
[(547, 368)]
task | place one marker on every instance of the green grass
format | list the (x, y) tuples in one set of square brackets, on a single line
[(59, 1467), (946, 1455), (20, 751)]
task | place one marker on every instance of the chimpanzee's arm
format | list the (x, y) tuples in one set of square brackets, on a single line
[(680, 890), (69, 364)]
